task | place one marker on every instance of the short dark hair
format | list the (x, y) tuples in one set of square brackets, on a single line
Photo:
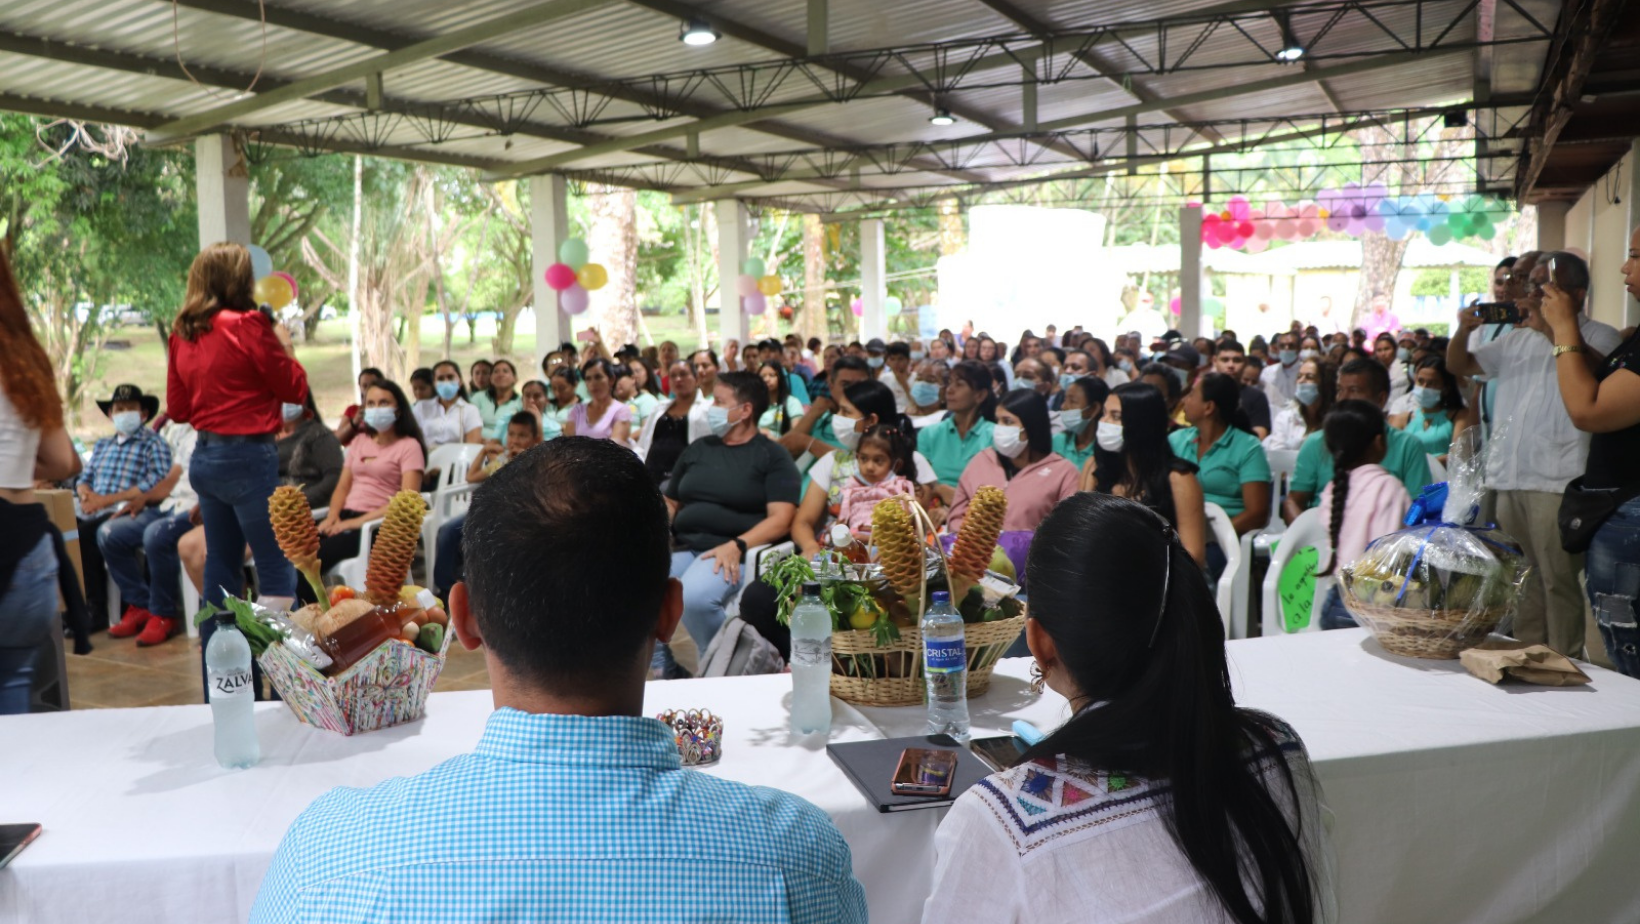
[(475, 364), (1574, 267), (853, 363), (710, 354), (1228, 346), (527, 420), (1165, 373), (546, 538), (1372, 369), (898, 348), (424, 374), (372, 370), (748, 388), (1506, 263)]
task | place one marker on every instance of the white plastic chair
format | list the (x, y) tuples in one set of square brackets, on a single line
[(351, 571), (1282, 463), (1437, 471), (452, 495), (1224, 533), (1306, 531)]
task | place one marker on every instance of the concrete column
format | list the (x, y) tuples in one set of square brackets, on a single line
[(549, 227), (734, 236), (1551, 229), (873, 279), (1190, 270), (223, 187)]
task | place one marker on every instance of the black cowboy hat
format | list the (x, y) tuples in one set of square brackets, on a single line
[(150, 404)]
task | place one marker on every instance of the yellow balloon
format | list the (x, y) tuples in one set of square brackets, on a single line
[(592, 277), (273, 292), (769, 285)]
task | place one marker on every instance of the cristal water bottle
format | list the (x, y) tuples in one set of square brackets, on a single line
[(811, 663), (228, 667), (945, 665)]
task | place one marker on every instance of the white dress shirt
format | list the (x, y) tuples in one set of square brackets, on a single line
[(441, 425), (1280, 382)]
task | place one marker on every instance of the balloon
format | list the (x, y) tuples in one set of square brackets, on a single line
[(1239, 208), (752, 266), (1307, 227), (1286, 229), (574, 299), (892, 305), (261, 263), (1374, 223), (769, 285), (1457, 221), (1486, 232), (1258, 245), (1265, 230), (593, 277), (1440, 234), (1244, 229), (573, 252), (746, 286), (858, 307), (1338, 221), (274, 292), (755, 303), (560, 276), (289, 279)]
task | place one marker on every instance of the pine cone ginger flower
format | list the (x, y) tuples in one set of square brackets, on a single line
[(395, 547), (297, 535), (899, 550), (977, 539)]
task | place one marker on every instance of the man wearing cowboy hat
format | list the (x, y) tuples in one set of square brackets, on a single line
[(113, 490)]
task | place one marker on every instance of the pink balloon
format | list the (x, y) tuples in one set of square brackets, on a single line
[(1309, 210), (1244, 229), (858, 307), (747, 286), (756, 303), (1258, 245), (1307, 227), (574, 298), (560, 276), (1239, 207), (1286, 229)]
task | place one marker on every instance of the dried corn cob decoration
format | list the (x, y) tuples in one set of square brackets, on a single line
[(395, 547), (977, 539), (297, 535), (899, 551)]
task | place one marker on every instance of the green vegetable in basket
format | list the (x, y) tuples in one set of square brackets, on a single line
[(431, 638)]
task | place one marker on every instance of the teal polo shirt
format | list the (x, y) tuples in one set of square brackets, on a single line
[(950, 453), (1406, 459), (1237, 458), (1065, 445)]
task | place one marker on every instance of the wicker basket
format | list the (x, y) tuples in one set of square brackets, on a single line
[(1414, 633), (866, 674), (386, 687)]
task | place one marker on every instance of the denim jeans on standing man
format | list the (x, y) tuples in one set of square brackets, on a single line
[(1613, 564), (26, 608)]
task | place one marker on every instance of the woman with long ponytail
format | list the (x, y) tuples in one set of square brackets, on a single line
[(1363, 501), (1160, 799)]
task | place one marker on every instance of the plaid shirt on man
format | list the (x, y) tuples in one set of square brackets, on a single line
[(564, 819), (142, 459)]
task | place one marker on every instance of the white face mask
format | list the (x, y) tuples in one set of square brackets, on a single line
[(1109, 436), (1008, 441), (843, 432)]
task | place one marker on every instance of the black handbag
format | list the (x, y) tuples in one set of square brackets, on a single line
[(1584, 510)]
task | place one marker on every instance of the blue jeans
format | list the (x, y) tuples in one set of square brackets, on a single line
[(234, 482), (447, 566), (1613, 564), (119, 538), (706, 599), (1333, 613), (26, 609), (159, 543)]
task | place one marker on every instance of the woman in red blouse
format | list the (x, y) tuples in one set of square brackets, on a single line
[(230, 370)]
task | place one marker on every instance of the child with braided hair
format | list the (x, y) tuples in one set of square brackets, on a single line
[(1363, 501)]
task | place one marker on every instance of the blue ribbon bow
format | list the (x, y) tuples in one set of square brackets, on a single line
[(1426, 510)]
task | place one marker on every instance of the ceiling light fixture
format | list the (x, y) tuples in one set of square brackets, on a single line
[(942, 116), (698, 32), (1291, 48)]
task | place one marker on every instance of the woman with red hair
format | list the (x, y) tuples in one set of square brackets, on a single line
[(33, 447)]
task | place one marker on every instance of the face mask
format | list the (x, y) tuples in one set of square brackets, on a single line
[(1066, 380), (1307, 393), (1308, 354), (1403, 354), (380, 418), (843, 432), (1109, 436), (718, 419), (917, 355), (1428, 398), (875, 362), (127, 422), (1125, 366), (925, 394), (1182, 376), (1288, 357), (1008, 441), (1074, 422), (447, 390), (292, 411)]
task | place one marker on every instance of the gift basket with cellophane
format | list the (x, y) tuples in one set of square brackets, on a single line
[(1445, 582)]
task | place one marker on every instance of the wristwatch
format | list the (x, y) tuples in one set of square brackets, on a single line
[(1568, 348), (739, 544)]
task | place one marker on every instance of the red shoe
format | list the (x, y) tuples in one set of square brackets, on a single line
[(158, 630), (132, 622)]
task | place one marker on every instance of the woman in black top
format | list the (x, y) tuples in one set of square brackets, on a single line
[(1134, 460), (1605, 401), (664, 440)]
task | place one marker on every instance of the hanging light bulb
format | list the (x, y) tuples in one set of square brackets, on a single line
[(698, 32), (942, 116), (1291, 49)]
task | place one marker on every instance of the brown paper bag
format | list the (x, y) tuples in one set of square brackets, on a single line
[(1492, 661)]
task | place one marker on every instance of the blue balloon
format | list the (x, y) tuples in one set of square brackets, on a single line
[(261, 263)]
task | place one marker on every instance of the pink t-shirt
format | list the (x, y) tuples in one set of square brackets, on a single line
[(1032, 492), (601, 429), (378, 471)]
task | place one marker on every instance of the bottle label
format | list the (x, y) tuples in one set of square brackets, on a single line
[(812, 652), (227, 686), (944, 655)]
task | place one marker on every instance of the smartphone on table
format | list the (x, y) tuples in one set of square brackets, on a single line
[(924, 772), (1000, 752), (13, 838)]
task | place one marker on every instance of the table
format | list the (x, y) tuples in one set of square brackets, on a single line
[(1455, 801)]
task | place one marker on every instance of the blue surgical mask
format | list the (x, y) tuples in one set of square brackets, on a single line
[(1403, 354), (1288, 357), (1074, 423), (1307, 393), (1125, 366), (875, 362), (127, 422), (1066, 380), (917, 355), (291, 411), (925, 394), (447, 390), (1308, 354), (380, 418), (718, 419), (1428, 398)]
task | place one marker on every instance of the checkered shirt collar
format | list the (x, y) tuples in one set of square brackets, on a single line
[(578, 740)]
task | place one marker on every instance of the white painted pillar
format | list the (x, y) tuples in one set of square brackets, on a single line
[(873, 279), (222, 182), (1190, 270), (549, 227), (734, 236), (1551, 229)]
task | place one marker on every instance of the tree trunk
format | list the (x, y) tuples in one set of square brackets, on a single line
[(1380, 266), (812, 318), (613, 239)]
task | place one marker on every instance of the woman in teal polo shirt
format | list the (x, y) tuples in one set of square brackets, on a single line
[(1084, 405), (1233, 471), (966, 431)]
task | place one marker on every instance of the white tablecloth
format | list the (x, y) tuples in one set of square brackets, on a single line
[(1455, 801)]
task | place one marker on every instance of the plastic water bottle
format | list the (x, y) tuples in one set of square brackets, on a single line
[(811, 663), (945, 665), (228, 667)]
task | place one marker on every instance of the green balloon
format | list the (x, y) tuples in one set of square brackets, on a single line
[(573, 252), (753, 267), (892, 305), (1440, 234), (1457, 221), (1297, 589)]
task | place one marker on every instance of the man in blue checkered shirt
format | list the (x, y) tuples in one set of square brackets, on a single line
[(114, 488), (573, 807)]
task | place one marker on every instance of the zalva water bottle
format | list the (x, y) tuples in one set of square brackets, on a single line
[(945, 665), (228, 667), (811, 663)]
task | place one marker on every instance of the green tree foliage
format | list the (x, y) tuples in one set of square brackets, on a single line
[(1471, 279)]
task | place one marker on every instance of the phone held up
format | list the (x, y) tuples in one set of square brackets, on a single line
[(1498, 313)]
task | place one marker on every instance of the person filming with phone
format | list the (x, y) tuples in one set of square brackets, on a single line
[(1536, 448)]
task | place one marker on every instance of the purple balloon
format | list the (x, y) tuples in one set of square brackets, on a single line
[(756, 303), (574, 299), (1373, 223), (1337, 221)]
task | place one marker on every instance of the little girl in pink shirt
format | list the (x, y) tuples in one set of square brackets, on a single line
[(881, 462), (1363, 501)]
